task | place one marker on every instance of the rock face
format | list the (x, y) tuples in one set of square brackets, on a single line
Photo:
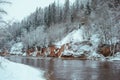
[(70, 50), (104, 49), (52, 50), (30, 51), (67, 50), (59, 53), (108, 50)]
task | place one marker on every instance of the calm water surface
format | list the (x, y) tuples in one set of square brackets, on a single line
[(58, 69)]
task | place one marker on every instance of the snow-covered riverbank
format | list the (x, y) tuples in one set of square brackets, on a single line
[(15, 71)]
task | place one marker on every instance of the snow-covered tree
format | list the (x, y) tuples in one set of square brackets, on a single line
[(66, 8)]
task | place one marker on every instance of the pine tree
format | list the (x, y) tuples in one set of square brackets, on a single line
[(66, 11), (88, 9)]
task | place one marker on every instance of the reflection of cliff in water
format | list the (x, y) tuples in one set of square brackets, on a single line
[(109, 70), (57, 69)]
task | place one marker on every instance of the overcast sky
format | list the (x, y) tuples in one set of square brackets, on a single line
[(22, 8)]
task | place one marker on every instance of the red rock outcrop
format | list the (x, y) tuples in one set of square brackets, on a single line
[(52, 49), (38, 54), (30, 51), (59, 53), (109, 50)]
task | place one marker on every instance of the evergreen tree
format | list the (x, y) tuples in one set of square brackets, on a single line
[(53, 13), (66, 11), (88, 8)]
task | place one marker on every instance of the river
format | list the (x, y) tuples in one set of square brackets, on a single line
[(59, 69)]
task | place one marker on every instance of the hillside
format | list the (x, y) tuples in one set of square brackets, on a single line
[(73, 45), (86, 28)]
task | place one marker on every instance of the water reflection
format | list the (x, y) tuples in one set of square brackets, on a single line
[(109, 70), (57, 69)]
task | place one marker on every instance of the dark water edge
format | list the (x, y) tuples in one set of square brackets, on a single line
[(59, 69)]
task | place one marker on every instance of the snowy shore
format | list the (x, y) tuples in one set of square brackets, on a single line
[(15, 71)]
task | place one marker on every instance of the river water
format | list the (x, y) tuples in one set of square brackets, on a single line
[(59, 69)]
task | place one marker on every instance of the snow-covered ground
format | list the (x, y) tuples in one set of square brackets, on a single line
[(73, 37), (15, 71), (17, 48)]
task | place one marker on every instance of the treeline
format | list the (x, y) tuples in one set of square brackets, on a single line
[(56, 14), (50, 24), (47, 25)]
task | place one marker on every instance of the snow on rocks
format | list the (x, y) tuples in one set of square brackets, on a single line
[(74, 45), (17, 48), (79, 46), (74, 36), (95, 40), (95, 56), (115, 56), (15, 71)]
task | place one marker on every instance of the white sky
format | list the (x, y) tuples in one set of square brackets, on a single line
[(22, 8)]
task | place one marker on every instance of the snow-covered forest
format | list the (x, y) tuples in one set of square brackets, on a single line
[(47, 26)]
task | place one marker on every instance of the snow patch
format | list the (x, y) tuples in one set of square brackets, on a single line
[(114, 40), (95, 56), (68, 52), (95, 40), (15, 71), (73, 37), (115, 57), (85, 48), (17, 48)]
